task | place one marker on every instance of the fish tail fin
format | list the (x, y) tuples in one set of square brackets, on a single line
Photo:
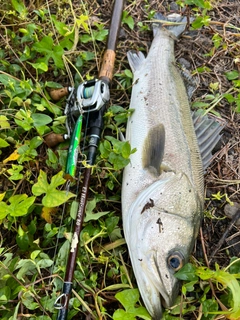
[(135, 59), (174, 23)]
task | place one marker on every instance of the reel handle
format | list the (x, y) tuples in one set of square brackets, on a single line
[(57, 94), (53, 139)]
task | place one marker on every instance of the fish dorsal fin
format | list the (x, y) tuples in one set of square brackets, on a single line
[(153, 150), (208, 134)]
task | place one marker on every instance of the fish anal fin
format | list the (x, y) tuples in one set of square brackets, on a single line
[(135, 59), (153, 151)]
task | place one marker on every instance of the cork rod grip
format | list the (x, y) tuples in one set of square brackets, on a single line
[(106, 71)]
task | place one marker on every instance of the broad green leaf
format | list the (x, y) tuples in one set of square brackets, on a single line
[(40, 119), (141, 312), (235, 266), (19, 204), (105, 148), (91, 205), (4, 210), (94, 216), (19, 7), (28, 301), (123, 315), (198, 3), (3, 143), (40, 66), (118, 161), (7, 81), (24, 120), (100, 35), (2, 195), (26, 267), (34, 254), (15, 172), (208, 306), (90, 215), (4, 294), (85, 38), (126, 150), (57, 56), (51, 107), (87, 55), (189, 286), (44, 46), (49, 50), (232, 75), (4, 124), (52, 84), (60, 26), (187, 273), (53, 197), (45, 263), (111, 223), (126, 18), (128, 298), (62, 255), (22, 239), (201, 21), (74, 209)]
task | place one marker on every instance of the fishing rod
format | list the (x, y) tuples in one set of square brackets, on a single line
[(90, 97)]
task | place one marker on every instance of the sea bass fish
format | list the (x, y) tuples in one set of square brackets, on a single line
[(163, 186)]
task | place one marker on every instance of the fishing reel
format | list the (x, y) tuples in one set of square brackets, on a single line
[(90, 96)]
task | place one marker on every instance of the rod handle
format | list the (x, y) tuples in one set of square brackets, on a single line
[(53, 139), (106, 71), (57, 94)]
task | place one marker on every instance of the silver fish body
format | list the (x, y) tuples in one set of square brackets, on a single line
[(162, 188)]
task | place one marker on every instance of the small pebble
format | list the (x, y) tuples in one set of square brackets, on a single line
[(174, 6), (231, 210)]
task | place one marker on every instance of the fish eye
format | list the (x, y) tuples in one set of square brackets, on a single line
[(175, 261)]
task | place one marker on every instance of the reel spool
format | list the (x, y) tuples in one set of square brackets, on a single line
[(91, 96)]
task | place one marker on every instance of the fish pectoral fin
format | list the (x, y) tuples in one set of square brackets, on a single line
[(135, 59), (207, 132), (153, 150)]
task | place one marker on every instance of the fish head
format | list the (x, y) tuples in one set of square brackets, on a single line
[(161, 229)]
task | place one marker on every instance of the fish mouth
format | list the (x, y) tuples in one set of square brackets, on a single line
[(159, 289), (158, 299)]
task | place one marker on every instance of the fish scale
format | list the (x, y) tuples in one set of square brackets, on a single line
[(162, 187)]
